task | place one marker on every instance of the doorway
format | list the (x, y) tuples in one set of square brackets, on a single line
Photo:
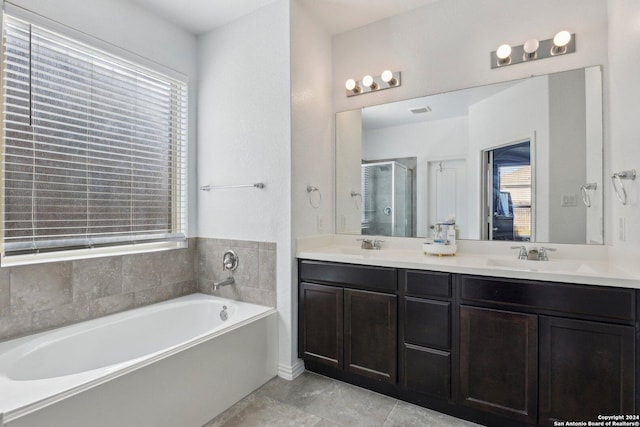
[(508, 201)]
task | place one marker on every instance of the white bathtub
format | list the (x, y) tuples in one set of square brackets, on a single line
[(174, 363)]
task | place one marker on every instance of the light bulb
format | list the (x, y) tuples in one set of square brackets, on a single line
[(530, 46), (562, 39), (352, 86), (560, 42), (503, 52), (387, 77), (368, 82)]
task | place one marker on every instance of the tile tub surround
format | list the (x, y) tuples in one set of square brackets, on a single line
[(314, 400), (44, 296), (255, 277)]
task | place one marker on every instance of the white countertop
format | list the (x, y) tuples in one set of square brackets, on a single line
[(584, 264)]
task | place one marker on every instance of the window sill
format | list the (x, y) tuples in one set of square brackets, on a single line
[(78, 254)]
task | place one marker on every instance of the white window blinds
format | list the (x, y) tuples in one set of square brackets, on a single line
[(93, 146)]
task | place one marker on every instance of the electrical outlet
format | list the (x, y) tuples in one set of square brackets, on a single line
[(621, 229), (569, 200)]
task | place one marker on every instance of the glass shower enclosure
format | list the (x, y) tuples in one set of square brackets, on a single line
[(387, 199)]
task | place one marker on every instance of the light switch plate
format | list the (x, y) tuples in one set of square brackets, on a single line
[(569, 200)]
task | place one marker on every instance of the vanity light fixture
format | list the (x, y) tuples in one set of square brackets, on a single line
[(368, 81), (530, 48), (560, 42), (533, 49), (387, 79), (352, 87), (504, 55)]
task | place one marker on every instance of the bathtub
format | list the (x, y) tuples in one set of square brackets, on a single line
[(175, 363)]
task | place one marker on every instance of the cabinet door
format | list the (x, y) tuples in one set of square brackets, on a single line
[(371, 334), (498, 362), (321, 324), (586, 370)]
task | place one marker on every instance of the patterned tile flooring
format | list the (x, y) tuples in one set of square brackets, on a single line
[(314, 400)]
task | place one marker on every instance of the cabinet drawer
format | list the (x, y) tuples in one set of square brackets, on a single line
[(366, 277), (427, 371), (598, 301), (420, 283), (427, 322)]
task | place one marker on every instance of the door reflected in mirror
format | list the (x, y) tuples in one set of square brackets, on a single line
[(404, 166), (508, 192)]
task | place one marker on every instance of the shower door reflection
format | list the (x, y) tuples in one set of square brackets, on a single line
[(387, 199)]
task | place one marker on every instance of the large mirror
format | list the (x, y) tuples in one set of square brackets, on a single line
[(519, 160)]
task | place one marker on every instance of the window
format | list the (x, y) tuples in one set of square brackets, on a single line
[(93, 146)]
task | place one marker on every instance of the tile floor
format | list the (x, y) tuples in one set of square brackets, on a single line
[(314, 400)]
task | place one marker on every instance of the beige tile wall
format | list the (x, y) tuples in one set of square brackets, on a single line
[(255, 277), (44, 296)]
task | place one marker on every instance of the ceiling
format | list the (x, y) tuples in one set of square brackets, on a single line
[(337, 16), (442, 106)]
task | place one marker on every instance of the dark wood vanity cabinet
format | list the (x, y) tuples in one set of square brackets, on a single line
[(426, 333), (499, 362), (497, 351), (321, 324), (370, 334), (586, 369), (347, 320), (543, 352)]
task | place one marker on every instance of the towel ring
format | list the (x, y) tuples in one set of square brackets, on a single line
[(586, 199), (310, 190), (618, 185), (356, 197)]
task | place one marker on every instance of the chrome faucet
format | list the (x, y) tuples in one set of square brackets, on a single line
[(229, 263), (522, 254), (370, 244), (228, 281), (533, 254), (542, 253)]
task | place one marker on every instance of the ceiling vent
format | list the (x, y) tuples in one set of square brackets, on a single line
[(420, 110)]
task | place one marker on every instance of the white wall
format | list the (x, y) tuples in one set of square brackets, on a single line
[(348, 178), (446, 46), (129, 27), (624, 134), (244, 137), (567, 156), (502, 119), (312, 155), (444, 139)]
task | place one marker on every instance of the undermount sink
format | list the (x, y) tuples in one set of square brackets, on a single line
[(357, 251), (543, 266)]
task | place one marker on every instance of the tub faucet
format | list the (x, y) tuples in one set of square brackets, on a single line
[(229, 263), (228, 281)]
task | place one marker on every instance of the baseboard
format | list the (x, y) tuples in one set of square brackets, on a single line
[(291, 372)]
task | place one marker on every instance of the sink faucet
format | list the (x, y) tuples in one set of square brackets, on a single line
[(522, 254), (370, 244), (542, 253)]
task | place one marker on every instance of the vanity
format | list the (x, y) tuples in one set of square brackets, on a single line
[(476, 335)]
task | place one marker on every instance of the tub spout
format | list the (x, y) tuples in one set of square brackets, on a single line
[(228, 281)]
